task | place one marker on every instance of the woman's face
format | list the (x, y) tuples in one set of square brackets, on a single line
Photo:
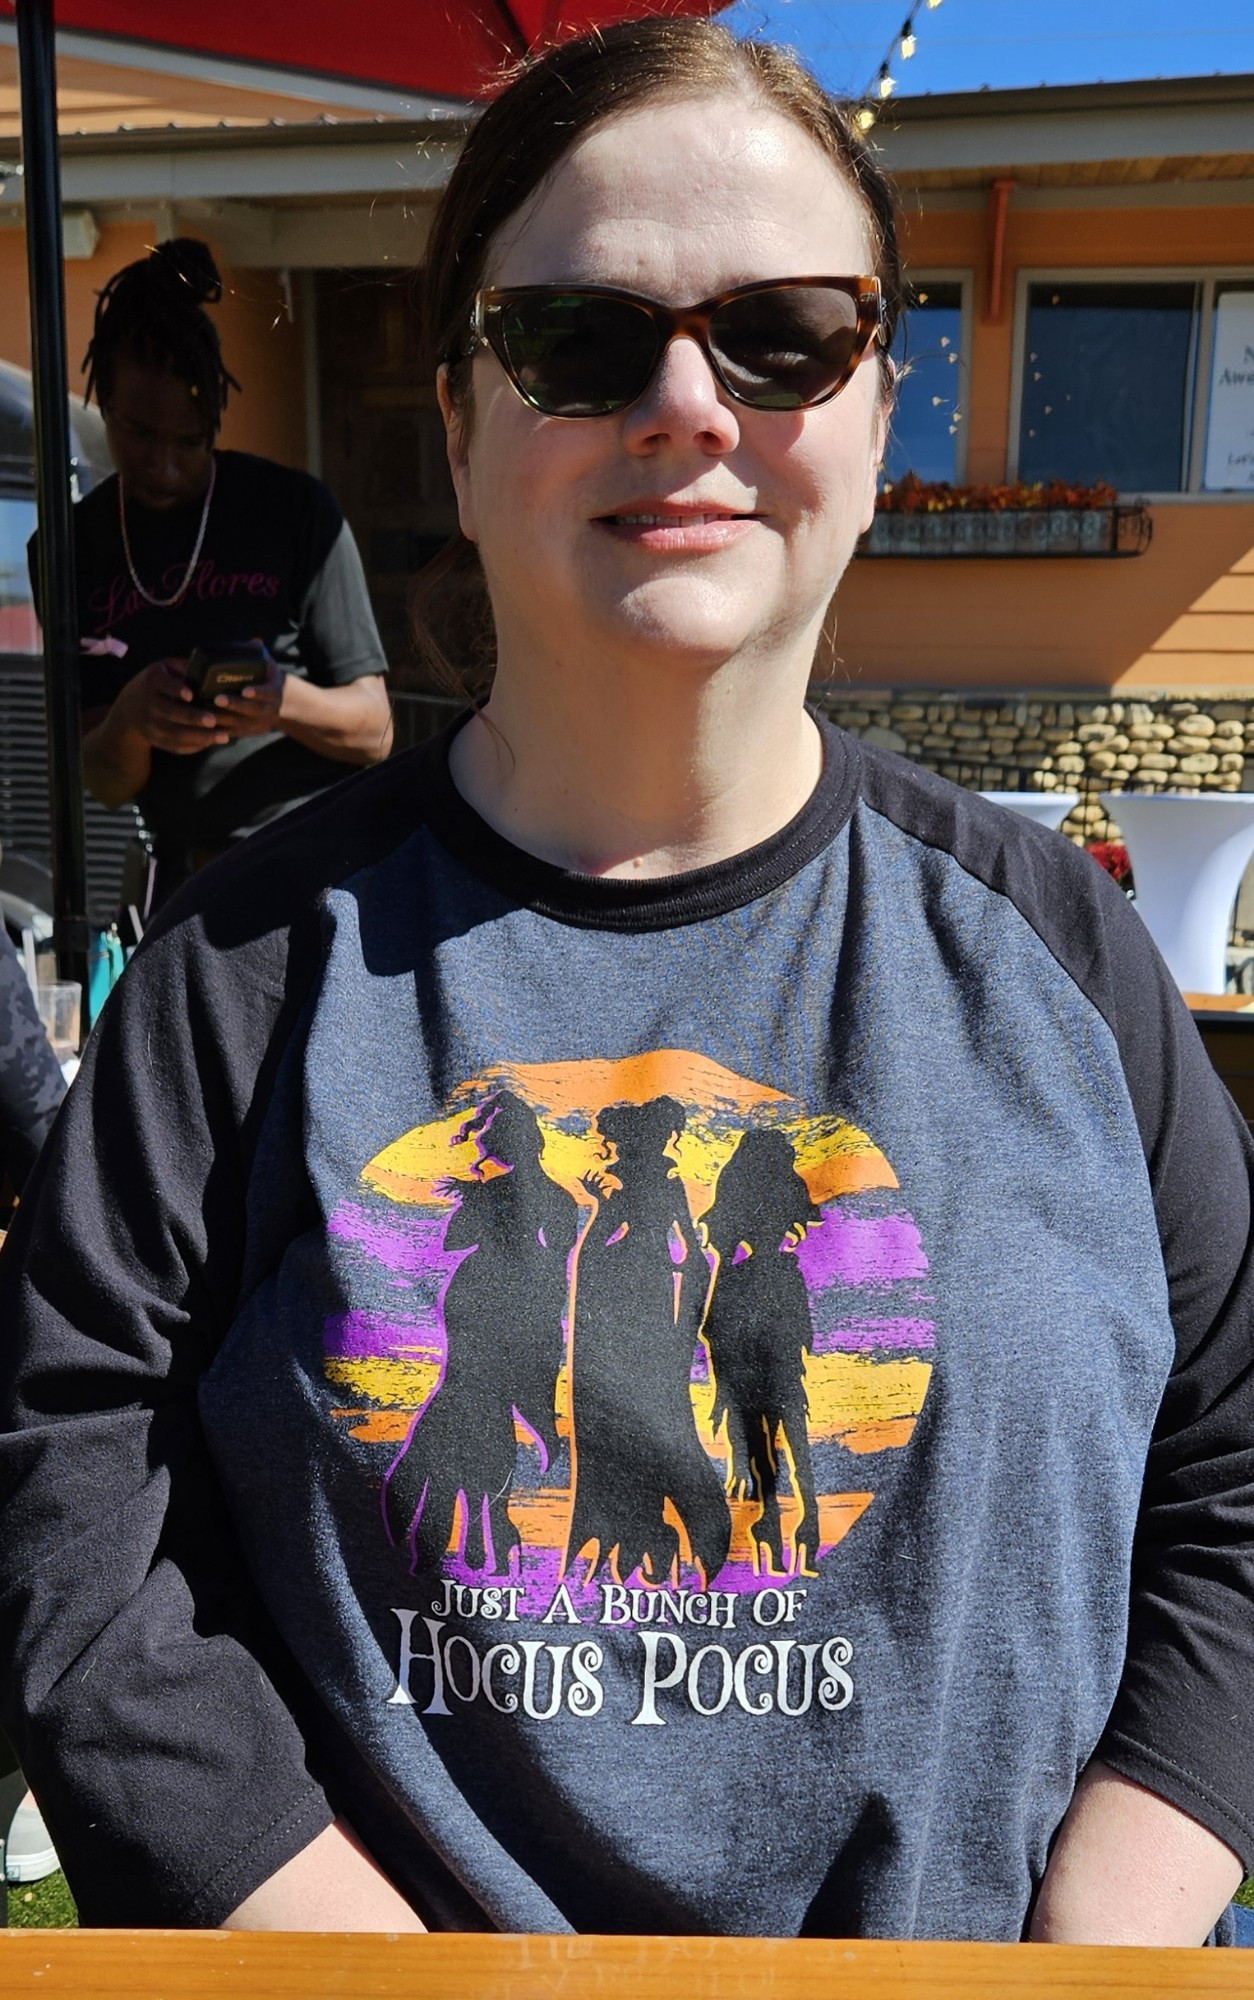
[(749, 516)]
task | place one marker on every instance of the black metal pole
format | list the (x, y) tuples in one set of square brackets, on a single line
[(37, 67)]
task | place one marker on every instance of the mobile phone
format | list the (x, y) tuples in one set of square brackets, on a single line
[(225, 668)]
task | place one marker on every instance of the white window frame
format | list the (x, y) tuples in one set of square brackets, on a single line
[(1207, 277), (964, 278)]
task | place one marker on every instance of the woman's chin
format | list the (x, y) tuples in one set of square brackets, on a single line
[(688, 628), (693, 651)]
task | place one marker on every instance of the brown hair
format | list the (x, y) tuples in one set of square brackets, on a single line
[(550, 102)]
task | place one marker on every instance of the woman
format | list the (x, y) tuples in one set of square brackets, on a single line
[(644, 889), (191, 547)]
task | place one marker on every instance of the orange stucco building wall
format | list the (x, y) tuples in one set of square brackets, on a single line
[(1180, 616), (260, 344)]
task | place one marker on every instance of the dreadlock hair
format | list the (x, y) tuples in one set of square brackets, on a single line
[(152, 311)]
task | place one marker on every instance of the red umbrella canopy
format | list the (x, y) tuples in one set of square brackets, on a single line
[(448, 48)]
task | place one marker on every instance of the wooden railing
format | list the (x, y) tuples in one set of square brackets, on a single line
[(191, 1965)]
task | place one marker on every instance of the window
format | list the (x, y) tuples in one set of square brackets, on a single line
[(1135, 380), (1106, 384), (926, 436)]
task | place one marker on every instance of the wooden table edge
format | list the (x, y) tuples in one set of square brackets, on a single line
[(165, 1965)]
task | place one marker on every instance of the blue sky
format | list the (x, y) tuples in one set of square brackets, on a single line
[(963, 44)]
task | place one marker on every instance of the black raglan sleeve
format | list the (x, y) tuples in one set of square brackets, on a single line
[(1183, 1721), (141, 1683)]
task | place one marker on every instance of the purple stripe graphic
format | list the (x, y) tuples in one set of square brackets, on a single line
[(368, 1336), (860, 1250), (859, 1336), (412, 1248)]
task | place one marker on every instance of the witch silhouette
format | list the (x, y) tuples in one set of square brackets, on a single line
[(503, 1319), (758, 1331), (644, 1484)]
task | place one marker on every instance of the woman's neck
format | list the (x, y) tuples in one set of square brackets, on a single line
[(645, 774)]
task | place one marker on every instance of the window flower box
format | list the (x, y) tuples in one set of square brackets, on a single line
[(1001, 534), (1032, 532), (912, 519), (1064, 531), (1097, 531)]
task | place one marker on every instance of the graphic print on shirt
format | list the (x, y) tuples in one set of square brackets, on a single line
[(633, 1324), (117, 599)]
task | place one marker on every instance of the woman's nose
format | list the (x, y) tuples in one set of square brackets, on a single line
[(683, 404)]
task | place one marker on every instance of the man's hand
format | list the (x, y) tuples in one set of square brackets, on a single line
[(154, 711), (157, 705), (256, 710), (351, 722)]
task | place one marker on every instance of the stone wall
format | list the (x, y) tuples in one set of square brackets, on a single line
[(1049, 743)]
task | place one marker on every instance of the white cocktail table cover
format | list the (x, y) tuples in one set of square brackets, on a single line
[(1188, 855), (1046, 808)]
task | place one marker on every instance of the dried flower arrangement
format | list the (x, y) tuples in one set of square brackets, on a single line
[(909, 495)]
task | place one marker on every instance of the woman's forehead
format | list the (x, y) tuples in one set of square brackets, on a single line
[(722, 185)]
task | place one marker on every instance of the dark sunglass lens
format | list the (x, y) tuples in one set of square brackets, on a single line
[(786, 347), (576, 355)]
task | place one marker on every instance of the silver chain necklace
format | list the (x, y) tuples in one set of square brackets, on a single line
[(167, 603)]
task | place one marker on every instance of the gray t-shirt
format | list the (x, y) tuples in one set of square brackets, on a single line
[(661, 1396)]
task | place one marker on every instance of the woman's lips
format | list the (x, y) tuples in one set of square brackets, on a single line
[(676, 533)]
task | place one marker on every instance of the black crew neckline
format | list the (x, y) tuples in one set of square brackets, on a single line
[(597, 902)]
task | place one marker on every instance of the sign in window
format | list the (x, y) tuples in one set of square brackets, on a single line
[(1229, 461)]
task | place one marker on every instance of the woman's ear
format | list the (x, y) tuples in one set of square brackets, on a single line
[(456, 443)]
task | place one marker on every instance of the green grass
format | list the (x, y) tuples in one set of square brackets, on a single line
[(42, 1906), (49, 1906)]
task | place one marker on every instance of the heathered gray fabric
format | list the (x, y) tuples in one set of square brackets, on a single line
[(973, 1614)]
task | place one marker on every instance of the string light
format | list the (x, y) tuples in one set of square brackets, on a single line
[(904, 44)]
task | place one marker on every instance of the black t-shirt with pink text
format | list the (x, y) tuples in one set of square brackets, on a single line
[(278, 563)]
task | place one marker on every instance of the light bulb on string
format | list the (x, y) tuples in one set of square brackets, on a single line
[(905, 44), (864, 117)]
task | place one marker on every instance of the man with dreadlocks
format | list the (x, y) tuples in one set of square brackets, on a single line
[(191, 546)]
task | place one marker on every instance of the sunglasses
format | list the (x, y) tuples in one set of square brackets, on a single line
[(589, 350)]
